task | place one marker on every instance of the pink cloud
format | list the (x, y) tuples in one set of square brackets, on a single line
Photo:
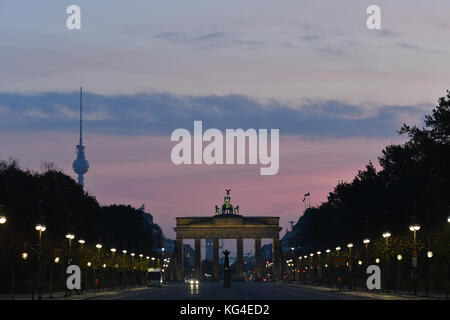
[(137, 169)]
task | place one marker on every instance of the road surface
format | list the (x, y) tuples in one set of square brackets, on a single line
[(240, 291)]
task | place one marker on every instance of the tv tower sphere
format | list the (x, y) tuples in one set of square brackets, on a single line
[(80, 165)]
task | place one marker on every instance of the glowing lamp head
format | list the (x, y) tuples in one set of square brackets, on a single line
[(350, 245), (3, 219), (338, 248), (386, 234), (366, 241), (430, 254), (40, 227), (399, 257), (98, 246)]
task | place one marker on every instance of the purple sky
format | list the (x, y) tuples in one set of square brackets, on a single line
[(337, 91)]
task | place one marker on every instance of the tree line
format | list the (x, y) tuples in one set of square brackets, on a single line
[(412, 187), (51, 198)]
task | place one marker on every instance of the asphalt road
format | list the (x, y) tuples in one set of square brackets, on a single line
[(238, 291)]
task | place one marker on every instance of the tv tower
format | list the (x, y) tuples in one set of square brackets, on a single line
[(80, 165)]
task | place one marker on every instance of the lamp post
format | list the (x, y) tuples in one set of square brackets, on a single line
[(41, 229), (386, 235), (319, 266), (366, 243), (328, 251), (99, 247), (69, 237), (83, 277), (350, 264), (124, 252), (113, 251), (414, 228), (132, 269)]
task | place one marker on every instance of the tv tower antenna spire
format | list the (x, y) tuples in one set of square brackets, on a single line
[(81, 116), (81, 165)]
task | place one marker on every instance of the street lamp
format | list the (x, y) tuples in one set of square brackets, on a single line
[(24, 256), (113, 250), (366, 243), (430, 254), (98, 246), (40, 228), (414, 228), (399, 257), (70, 237), (350, 246)]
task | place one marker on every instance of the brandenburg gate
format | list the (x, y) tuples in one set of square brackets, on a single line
[(227, 223)]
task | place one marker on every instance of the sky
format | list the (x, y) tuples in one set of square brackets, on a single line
[(337, 92)]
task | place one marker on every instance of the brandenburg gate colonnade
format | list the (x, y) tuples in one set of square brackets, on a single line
[(228, 226)]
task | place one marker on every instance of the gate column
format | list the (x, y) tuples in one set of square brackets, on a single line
[(258, 259), (198, 259), (216, 259), (179, 259), (240, 259)]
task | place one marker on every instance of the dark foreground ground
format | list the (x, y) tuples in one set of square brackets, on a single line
[(215, 291), (243, 291)]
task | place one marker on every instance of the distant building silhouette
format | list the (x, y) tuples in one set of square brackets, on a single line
[(80, 165)]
